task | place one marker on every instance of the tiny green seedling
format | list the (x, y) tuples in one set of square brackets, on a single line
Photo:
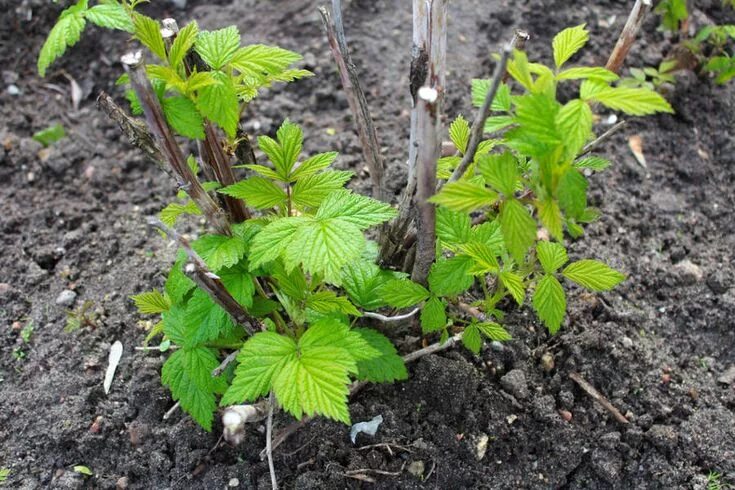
[(50, 135), (4, 475)]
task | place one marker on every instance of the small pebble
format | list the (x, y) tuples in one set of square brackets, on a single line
[(627, 342), (122, 483), (547, 362), (234, 482), (66, 298), (566, 415), (728, 377), (417, 468), (688, 272), (13, 89)]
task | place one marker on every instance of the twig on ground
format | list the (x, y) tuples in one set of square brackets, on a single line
[(268, 441), (603, 137), (134, 66), (478, 125), (472, 311), (226, 362), (396, 318), (198, 271), (355, 96), (627, 37), (598, 397), (363, 471), (387, 445), (433, 348), (169, 413)]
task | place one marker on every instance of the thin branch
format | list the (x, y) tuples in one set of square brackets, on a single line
[(598, 397), (226, 362), (433, 348), (269, 441), (602, 138), (171, 411), (627, 37), (396, 318), (478, 125), (355, 96), (134, 66), (198, 271)]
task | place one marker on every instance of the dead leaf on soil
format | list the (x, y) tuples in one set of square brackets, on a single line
[(635, 143), (116, 351)]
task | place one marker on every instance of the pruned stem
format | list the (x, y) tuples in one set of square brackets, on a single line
[(627, 37), (598, 397), (355, 96), (198, 271), (133, 63), (478, 125), (269, 441)]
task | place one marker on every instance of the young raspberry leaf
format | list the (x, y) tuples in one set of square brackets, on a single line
[(148, 32), (452, 228), (593, 163), (111, 16), (220, 251), (261, 358), (574, 123), (494, 331), (484, 259), (217, 48), (402, 293), (550, 302), (572, 193), (239, 283), (257, 192), (65, 33), (272, 241), (502, 100), (519, 228), (500, 171), (329, 302), (514, 284), (496, 123), (491, 235), (471, 339), (464, 196), (188, 374), (450, 277), (205, 320), (178, 283), (633, 101), (257, 60), (185, 39), (218, 102), (550, 216), (151, 302), (580, 73), (552, 255), (568, 42), (171, 213), (310, 191), (359, 210), (363, 281), (183, 116), (433, 315), (290, 140), (459, 133), (313, 164), (593, 275), (385, 368)]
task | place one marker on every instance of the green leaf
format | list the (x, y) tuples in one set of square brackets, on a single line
[(83, 470), (262, 170), (185, 39), (220, 251), (218, 103), (452, 228), (199, 80), (50, 135), (290, 140), (330, 333), (482, 255), (502, 100), (593, 275), (205, 320), (65, 33), (450, 277), (363, 282), (385, 368), (151, 302), (593, 163), (258, 59), (310, 191), (491, 235), (519, 228), (471, 338), (177, 283), (549, 302), (500, 171), (273, 240), (552, 255), (568, 42), (183, 116), (464, 196), (174, 210), (494, 331), (514, 284), (518, 69), (261, 358), (574, 123), (239, 283), (313, 164), (148, 32), (361, 211), (596, 72), (111, 16), (459, 133), (536, 115), (572, 193), (402, 293), (329, 302), (433, 315), (496, 123), (257, 192), (551, 218), (633, 101), (188, 373), (217, 48)]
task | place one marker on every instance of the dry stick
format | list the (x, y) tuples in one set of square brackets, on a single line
[(218, 160), (355, 96), (627, 37), (396, 318), (357, 386), (133, 63), (598, 397), (269, 440), (602, 138), (198, 271), (428, 117), (226, 362), (478, 125), (169, 413)]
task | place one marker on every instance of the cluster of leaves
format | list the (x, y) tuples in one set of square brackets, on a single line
[(527, 183), (712, 45), (650, 77)]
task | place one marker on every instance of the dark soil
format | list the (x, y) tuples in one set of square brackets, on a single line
[(73, 218)]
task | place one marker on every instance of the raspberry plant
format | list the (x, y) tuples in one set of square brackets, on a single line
[(288, 269)]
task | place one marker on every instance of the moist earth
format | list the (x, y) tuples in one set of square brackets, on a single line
[(658, 347)]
